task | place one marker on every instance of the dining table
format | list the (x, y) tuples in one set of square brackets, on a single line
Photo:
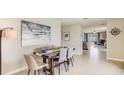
[(48, 57)]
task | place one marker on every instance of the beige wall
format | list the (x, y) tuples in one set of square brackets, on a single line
[(12, 51), (115, 44), (75, 37)]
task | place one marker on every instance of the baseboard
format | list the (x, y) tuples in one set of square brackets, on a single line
[(115, 59), (16, 71)]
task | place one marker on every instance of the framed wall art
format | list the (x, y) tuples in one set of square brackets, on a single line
[(115, 31), (35, 34), (66, 36)]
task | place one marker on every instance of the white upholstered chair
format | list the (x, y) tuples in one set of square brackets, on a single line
[(34, 64), (62, 59), (70, 56)]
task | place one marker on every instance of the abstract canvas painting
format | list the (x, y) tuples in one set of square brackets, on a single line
[(35, 34)]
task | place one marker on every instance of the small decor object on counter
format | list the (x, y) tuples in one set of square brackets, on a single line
[(115, 31), (66, 36)]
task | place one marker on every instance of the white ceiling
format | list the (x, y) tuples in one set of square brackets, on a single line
[(83, 22)]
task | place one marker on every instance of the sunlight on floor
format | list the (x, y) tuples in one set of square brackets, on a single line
[(94, 52)]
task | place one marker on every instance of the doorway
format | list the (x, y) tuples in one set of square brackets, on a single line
[(95, 39)]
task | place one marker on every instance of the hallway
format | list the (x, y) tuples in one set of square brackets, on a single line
[(94, 63)]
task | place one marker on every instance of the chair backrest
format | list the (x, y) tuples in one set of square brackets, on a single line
[(63, 55), (31, 62), (70, 52)]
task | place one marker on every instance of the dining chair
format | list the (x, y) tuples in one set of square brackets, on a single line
[(70, 57), (33, 64), (62, 59)]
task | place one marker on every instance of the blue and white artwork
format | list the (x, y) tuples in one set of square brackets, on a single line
[(35, 34)]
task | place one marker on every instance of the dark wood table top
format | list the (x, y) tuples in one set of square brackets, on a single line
[(50, 54)]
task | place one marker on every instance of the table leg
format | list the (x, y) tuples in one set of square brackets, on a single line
[(51, 66), (68, 64), (44, 61)]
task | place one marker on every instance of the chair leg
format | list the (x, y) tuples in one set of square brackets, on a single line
[(71, 62), (73, 58), (68, 64), (68, 67), (29, 71), (35, 72), (59, 69), (45, 71), (38, 72), (65, 66)]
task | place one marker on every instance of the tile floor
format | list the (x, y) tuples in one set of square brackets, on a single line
[(92, 62)]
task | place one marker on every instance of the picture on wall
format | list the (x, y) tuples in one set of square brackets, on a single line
[(35, 34), (66, 36)]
